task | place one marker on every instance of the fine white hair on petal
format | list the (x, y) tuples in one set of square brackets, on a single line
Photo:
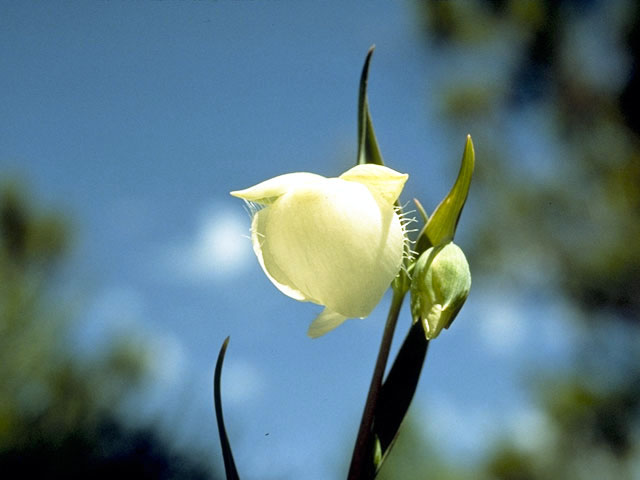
[(252, 207)]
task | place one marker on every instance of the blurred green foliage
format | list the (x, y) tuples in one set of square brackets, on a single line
[(413, 457), (58, 410), (560, 206), (577, 206)]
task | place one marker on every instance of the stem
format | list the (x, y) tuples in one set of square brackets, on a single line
[(361, 460)]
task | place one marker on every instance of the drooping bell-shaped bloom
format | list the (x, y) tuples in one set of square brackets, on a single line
[(337, 242)]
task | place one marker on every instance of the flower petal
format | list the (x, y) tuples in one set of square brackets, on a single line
[(271, 269), (332, 242), (382, 181), (325, 322), (268, 191)]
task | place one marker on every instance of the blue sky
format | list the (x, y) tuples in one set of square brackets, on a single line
[(138, 118)]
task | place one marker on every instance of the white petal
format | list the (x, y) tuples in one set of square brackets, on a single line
[(268, 191), (334, 243), (381, 180), (271, 270), (325, 322)]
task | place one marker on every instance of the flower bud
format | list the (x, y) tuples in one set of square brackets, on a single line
[(337, 242), (440, 286)]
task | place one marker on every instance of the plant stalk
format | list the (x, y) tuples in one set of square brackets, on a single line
[(362, 467)]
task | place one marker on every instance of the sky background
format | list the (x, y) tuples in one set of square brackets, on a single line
[(137, 118)]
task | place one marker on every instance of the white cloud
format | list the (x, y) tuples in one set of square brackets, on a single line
[(468, 431), (220, 247), (502, 327), (460, 432)]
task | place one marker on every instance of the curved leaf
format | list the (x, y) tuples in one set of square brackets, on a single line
[(368, 150), (442, 225), (227, 455)]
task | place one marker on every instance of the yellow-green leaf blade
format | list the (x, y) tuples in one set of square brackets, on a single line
[(442, 225)]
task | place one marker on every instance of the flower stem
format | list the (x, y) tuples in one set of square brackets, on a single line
[(362, 460)]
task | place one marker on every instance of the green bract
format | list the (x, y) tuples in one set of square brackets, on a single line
[(440, 286), (441, 226), (337, 242)]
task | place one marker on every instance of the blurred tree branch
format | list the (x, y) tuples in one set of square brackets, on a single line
[(549, 89), (58, 410)]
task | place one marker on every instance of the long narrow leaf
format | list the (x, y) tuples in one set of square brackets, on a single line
[(399, 388), (368, 150), (227, 455)]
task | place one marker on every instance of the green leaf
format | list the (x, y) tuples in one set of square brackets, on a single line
[(368, 150), (398, 389), (441, 227), (227, 455)]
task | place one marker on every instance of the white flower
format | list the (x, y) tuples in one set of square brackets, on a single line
[(337, 242)]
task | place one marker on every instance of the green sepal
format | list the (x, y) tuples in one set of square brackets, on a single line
[(227, 454), (368, 150), (441, 227)]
